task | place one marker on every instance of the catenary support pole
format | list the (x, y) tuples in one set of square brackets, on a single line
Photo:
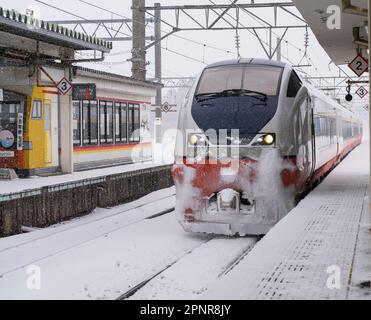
[(158, 72), (139, 41), (369, 59)]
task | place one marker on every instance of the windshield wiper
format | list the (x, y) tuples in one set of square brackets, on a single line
[(207, 96), (231, 92), (245, 92)]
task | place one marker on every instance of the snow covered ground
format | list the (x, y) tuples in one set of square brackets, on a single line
[(323, 245)]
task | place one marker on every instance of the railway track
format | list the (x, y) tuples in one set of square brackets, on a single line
[(146, 288), (142, 284)]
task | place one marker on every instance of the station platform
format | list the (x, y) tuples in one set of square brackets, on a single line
[(35, 182), (39, 202), (320, 250)]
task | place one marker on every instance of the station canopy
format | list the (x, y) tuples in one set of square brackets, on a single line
[(23, 32), (338, 43)]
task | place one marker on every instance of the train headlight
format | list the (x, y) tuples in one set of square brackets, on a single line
[(268, 139), (195, 139), (197, 146)]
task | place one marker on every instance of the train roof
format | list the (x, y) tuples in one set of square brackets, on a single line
[(249, 61), (320, 95)]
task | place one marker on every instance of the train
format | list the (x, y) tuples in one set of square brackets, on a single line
[(107, 131), (253, 139)]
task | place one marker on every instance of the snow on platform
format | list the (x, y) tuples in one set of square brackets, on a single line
[(320, 250), (36, 182)]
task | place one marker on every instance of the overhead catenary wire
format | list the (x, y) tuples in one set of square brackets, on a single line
[(240, 24), (180, 37), (120, 32), (149, 26), (306, 42)]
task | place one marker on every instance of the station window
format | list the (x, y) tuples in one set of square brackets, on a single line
[(76, 123), (294, 85), (121, 126), (8, 116), (134, 123), (106, 121), (90, 122), (37, 109)]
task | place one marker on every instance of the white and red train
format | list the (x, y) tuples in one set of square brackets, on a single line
[(253, 138)]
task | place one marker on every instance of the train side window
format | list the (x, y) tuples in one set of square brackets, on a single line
[(294, 85), (102, 122), (117, 122), (76, 123), (317, 126), (90, 122), (109, 122), (120, 119), (106, 121), (134, 123), (37, 110), (93, 122), (131, 122), (85, 122), (137, 123), (124, 122)]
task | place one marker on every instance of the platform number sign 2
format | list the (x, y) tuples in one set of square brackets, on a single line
[(359, 65), (64, 86)]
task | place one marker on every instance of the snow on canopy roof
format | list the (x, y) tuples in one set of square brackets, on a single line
[(87, 71), (12, 21)]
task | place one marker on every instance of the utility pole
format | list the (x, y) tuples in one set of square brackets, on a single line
[(158, 71), (139, 41)]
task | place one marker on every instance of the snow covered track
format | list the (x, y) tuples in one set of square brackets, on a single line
[(192, 275)]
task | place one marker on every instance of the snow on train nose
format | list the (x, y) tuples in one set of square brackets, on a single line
[(207, 189)]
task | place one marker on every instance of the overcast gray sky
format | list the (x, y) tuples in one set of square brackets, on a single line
[(176, 65)]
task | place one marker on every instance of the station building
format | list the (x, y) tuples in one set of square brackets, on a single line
[(43, 131)]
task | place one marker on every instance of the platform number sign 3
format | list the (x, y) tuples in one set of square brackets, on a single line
[(362, 92), (64, 86), (359, 65)]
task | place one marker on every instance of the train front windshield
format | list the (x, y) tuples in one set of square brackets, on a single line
[(263, 79), (238, 97)]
